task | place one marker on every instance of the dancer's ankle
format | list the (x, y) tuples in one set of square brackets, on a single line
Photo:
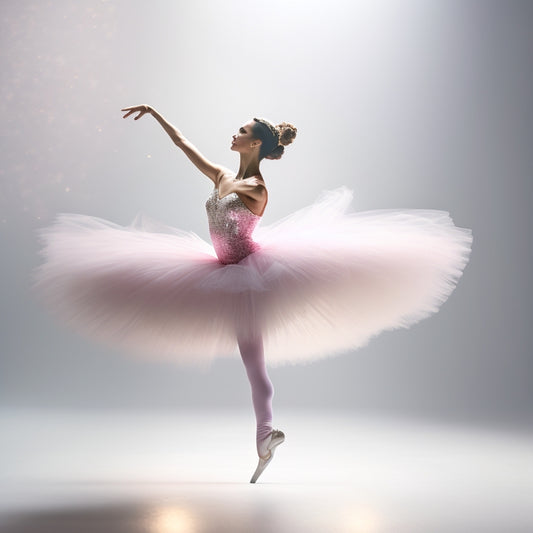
[(263, 442)]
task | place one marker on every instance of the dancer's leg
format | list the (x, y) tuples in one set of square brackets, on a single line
[(262, 390)]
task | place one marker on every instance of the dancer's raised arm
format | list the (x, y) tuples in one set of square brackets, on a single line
[(203, 164)]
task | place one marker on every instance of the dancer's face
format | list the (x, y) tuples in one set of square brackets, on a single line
[(243, 141)]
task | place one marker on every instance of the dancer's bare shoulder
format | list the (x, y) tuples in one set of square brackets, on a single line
[(252, 191)]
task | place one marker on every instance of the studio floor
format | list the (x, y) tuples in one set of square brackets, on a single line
[(154, 472)]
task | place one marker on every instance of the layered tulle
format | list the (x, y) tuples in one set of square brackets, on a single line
[(324, 281)]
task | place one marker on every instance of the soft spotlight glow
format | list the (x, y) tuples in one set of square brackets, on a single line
[(172, 520), (361, 519)]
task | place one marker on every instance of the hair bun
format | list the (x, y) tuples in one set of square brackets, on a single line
[(287, 133), (276, 153)]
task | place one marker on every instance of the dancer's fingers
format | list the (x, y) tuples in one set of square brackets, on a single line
[(133, 109)]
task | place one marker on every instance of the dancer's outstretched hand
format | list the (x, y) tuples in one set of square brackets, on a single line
[(142, 109)]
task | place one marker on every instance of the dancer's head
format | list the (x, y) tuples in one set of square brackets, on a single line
[(262, 136)]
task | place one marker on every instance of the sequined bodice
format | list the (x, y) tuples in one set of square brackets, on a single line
[(231, 225)]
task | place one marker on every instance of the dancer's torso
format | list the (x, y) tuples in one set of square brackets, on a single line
[(231, 225)]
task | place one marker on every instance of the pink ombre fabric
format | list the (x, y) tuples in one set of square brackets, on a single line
[(321, 281)]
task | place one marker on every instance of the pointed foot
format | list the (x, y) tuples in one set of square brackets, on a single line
[(276, 438)]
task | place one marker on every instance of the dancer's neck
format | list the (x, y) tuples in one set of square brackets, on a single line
[(249, 166)]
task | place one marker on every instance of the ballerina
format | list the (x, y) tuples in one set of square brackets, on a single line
[(319, 282)]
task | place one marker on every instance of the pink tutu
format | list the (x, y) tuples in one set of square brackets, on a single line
[(321, 281)]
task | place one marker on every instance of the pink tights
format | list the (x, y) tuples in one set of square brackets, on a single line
[(253, 358)]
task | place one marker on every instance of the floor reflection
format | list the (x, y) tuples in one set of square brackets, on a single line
[(204, 509), (118, 472)]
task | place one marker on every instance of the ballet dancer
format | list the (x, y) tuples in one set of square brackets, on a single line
[(321, 281)]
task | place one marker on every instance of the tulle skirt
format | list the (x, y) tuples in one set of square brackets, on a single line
[(324, 281)]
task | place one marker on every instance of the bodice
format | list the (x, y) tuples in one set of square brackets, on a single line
[(231, 225)]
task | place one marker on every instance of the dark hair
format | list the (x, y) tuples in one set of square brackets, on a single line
[(273, 138)]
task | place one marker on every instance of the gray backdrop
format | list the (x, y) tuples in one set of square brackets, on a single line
[(410, 103)]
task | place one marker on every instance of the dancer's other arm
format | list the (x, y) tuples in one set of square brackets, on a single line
[(202, 163)]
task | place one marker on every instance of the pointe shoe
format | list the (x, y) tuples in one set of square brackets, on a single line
[(276, 438)]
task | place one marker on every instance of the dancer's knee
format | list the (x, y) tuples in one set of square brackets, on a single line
[(249, 346)]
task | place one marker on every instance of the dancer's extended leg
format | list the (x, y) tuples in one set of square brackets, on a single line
[(253, 357)]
